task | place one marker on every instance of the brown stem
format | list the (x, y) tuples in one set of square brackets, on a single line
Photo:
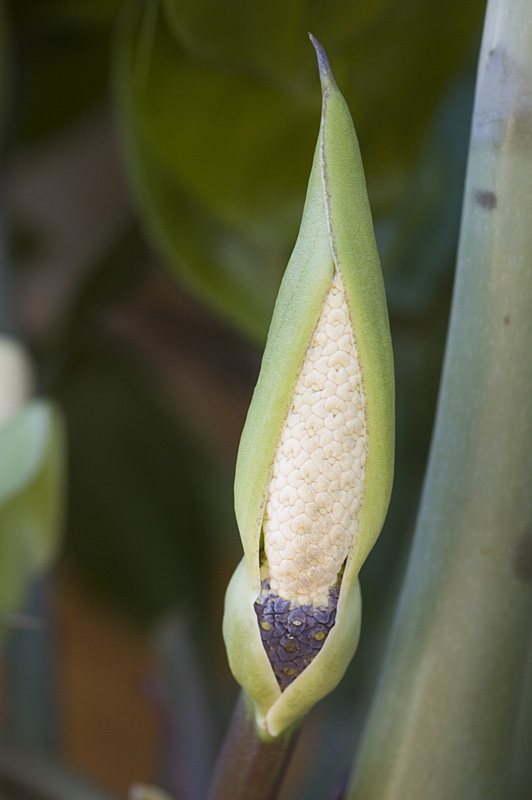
[(250, 768)]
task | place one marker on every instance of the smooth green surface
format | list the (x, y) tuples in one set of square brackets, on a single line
[(336, 232), (352, 242), (444, 717)]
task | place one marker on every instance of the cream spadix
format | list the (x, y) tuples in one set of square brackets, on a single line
[(315, 463)]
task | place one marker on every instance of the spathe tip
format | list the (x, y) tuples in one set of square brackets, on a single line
[(326, 75)]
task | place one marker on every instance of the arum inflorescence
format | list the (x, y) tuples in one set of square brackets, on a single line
[(317, 484), (314, 468)]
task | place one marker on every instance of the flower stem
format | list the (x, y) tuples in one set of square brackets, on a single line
[(250, 767)]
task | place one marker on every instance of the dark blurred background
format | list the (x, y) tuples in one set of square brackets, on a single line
[(155, 155)]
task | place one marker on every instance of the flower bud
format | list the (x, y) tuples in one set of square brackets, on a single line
[(31, 482), (16, 377), (315, 462)]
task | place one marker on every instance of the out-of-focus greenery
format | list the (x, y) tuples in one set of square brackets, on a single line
[(217, 109), (148, 538), (31, 484), (219, 112), (61, 50)]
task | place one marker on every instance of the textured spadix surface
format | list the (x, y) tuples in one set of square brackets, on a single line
[(334, 261), (317, 480)]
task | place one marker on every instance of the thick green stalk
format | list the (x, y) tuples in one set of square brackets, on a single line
[(250, 766), (444, 716)]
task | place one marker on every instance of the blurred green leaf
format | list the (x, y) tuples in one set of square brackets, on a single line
[(219, 112), (253, 41), (86, 13), (149, 512), (61, 60), (31, 483)]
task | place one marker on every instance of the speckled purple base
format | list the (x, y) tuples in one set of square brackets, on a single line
[(292, 637)]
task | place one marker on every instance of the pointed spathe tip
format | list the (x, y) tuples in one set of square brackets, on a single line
[(326, 76)]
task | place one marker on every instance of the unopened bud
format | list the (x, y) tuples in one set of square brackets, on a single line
[(315, 463)]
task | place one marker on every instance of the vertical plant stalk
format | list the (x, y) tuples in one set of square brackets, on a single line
[(250, 767), (444, 716), (30, 677)]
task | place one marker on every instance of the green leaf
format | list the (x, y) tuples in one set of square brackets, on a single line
[(218, 130), (138, 491)]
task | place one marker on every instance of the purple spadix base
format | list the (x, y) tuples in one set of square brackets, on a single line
[(292, 637)]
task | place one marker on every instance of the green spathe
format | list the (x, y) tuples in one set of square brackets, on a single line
[(336, 234)]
